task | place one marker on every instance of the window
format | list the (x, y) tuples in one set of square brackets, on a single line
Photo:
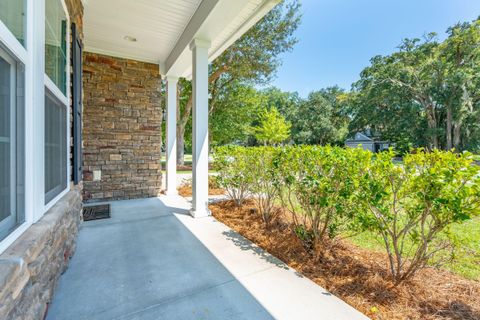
[(56, 44), (55, 147), (56, 122), (12, 14), (12, 142)]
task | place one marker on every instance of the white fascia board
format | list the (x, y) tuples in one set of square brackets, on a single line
[(210, 20), (180, 57)]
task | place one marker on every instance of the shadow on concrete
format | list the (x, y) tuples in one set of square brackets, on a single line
[(247, 245)]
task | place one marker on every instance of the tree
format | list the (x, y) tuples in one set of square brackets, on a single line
[(400, 84), (426, 93), (286, 103), (252, 59), (236, 108), (320, 119), (460, 57), (272, 128)]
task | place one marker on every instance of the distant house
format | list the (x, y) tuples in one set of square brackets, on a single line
[(368, 142)]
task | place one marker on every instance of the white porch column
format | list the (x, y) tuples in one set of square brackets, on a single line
[(200, 128), (171, 150)]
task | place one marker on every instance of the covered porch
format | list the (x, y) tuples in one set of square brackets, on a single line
[(181, 37), (152, 260)]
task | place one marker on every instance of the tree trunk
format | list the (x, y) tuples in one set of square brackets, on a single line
[(449, 128), (180, 145), (182, 119), (457, 136), (432, 124)]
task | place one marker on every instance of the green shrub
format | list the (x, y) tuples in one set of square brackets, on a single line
[(213, 182), (233, 172), (331, 190), (410, 206), (263, 175), (317, 185)]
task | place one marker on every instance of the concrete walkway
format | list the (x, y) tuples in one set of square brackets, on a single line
[(153, 261)]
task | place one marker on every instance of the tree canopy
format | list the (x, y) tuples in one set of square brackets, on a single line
[(251, 60), (425, 94)]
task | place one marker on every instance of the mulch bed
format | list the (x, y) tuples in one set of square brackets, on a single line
[(185, 190), (188, 167), (359, 276)]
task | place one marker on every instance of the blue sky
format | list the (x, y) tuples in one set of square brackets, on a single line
[(337, 38)]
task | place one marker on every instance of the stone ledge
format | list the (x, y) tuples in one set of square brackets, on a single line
[(31, 266)]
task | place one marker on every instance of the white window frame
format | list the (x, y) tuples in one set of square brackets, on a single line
[(36, 81), (65, 100), (22, 54)]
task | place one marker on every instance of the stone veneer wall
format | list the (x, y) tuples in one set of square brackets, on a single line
[(122, 128), (32, 265)]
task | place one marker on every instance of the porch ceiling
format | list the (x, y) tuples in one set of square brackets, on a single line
[(164, 28)]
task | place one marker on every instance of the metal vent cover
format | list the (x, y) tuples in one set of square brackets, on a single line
[(95, 212)]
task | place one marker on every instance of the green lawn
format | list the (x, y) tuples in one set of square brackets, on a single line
[(179, 171), (188, 162), (188, 171), (467, 260)]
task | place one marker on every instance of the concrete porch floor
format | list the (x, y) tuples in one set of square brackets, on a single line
[(151, 260)]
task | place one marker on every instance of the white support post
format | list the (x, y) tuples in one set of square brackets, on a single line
[(200, 128), (171, 150), (37, 90)]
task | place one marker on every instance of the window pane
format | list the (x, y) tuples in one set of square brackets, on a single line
[(55, 43), (55, 147), (13, 15), (11, 144), (5, 138)]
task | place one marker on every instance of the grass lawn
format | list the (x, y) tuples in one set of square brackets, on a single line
[(188, 162), (187, 171), (179, 171), (467, 260)]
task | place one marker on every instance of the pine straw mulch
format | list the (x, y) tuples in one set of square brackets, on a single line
[(185, 190), (359, 276)]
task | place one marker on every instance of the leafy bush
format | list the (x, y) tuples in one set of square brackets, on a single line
[(233, 172), (317, 185), (263, 176), (410, 206), (331, 190), (213, 182)]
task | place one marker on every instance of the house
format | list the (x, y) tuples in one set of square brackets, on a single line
[(367, 141), (50, 111)]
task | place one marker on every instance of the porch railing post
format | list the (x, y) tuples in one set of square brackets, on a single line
[(200, 128)]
